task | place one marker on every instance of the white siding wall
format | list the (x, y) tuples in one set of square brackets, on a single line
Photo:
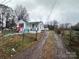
[(40, 27)]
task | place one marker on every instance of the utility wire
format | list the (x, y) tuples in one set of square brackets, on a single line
[(51, 11), (3, 1), (7, 1)]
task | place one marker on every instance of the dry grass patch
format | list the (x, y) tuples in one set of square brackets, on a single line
[(48, 50), (18, 42)]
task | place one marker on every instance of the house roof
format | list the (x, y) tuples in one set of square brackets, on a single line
[(33, 21), (3, 6)]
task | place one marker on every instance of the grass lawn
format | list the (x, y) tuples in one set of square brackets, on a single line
[(8, 31), (12, 45), (74, 42), (66, 38)]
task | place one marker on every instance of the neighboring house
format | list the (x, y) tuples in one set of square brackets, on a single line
[(22, 26), (36, 26), (29, 27), (6, 15)]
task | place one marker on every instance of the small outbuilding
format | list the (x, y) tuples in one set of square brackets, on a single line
[(22, 26)]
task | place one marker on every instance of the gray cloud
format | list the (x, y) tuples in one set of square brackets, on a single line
[(47, 3), (62, 9), (63, 4)]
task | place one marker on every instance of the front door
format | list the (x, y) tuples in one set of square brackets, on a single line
[(21, 27)]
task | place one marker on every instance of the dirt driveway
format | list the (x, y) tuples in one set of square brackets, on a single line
[(60, 51), (35, 52)]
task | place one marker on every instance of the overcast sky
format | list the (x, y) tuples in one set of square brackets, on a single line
[(63, 10)]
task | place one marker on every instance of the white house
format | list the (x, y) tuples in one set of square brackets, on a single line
[(36, 26), (30, 26)]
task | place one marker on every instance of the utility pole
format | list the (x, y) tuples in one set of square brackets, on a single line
[(70, 35)]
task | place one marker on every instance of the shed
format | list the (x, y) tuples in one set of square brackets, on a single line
[(23, 26)]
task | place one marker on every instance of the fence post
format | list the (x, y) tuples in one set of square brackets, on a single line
[(70, 36)]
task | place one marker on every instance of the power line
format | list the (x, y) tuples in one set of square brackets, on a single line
[(7, 1), (3, 1), (51, 11)]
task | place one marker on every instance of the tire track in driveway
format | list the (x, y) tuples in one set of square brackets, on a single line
[(48, 49), (34, 52)]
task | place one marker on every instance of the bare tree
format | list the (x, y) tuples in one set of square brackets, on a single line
[(21, 12), (67, 25), (61, 26), (55, 24)]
